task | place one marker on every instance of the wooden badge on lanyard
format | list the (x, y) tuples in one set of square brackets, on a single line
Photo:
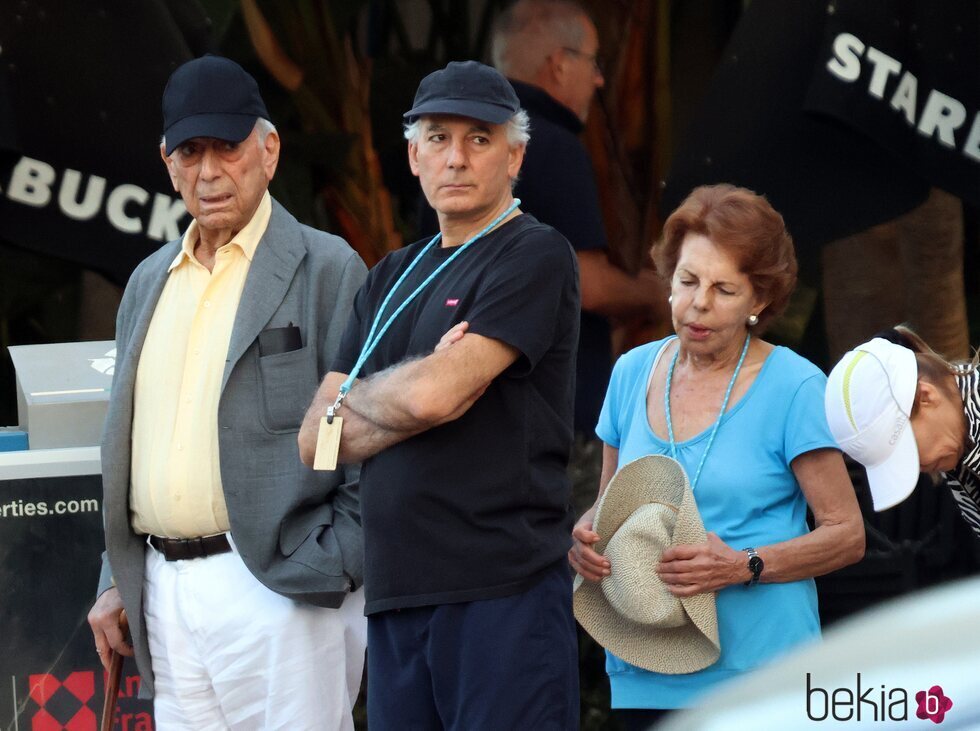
[(328, 441)]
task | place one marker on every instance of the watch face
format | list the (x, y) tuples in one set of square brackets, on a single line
[(755, 565)]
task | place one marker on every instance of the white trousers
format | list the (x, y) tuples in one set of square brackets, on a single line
[(229, 653)]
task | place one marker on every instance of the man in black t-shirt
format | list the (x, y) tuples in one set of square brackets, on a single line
[(549, 50), (463, 419)]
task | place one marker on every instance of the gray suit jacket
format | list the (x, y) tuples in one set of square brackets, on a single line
[(298, 531)]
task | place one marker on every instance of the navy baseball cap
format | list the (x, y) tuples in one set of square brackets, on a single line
[(468, 89), (210, 96)]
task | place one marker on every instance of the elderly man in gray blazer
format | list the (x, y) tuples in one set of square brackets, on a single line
[(239, 568)]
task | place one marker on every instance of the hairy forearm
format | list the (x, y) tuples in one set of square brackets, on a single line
[(377, 414), (380, 411), (390, 407), (407, 399), (422, 393), (361, 436), (384, 399)]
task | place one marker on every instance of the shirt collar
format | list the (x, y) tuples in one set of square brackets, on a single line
[(537, 100), (247, 239)]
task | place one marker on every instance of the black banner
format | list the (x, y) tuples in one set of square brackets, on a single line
[(50, 548), (832, 157), (80, 171), (907, 75)]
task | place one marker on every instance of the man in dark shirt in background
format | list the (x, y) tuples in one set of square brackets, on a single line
[(548, 49)]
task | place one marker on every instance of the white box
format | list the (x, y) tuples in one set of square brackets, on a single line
[(63, 392)]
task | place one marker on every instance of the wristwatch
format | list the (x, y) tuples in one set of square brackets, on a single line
[(755, 566)]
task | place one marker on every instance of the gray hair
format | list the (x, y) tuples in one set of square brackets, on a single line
[(518, 129), (262, 126), (529, 30)]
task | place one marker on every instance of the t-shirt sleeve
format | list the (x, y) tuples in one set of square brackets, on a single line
[(529, 295), (351, 343), (806, 420), (609, 428)]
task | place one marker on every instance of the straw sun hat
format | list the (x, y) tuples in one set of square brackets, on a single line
[(647, 507)]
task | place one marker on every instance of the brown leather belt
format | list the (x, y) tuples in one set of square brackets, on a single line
[(180, 549)]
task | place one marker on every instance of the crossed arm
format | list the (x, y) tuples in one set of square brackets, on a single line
[(409, 398), (836, 541)]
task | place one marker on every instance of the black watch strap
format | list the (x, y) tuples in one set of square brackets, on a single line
[(755, 566)]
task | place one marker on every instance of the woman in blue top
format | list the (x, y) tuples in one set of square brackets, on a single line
[(746, 420)]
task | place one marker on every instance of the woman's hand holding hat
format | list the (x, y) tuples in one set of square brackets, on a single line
[(646, 508), (590, 565), (696, 568)]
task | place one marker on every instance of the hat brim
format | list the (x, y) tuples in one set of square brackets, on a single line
[(482, 111), (893, 480), (676, 650), (228, 127), (672, 651)]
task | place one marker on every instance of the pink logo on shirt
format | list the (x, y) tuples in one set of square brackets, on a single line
[(452, 302)]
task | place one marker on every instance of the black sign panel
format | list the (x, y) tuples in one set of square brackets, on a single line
[(793, 112), (80, 173), (907, 75), (50, 547)]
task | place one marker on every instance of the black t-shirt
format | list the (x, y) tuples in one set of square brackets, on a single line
[(476, 508), (557, 186)]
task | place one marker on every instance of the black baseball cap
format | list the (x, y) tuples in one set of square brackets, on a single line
[(468, 89), (210, 96)]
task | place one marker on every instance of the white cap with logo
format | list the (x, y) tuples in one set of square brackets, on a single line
[(869, 401)]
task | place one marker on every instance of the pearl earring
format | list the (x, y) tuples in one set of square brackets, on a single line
[(752, 320), (670, 299)]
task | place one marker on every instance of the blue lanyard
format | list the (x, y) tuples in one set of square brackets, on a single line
[(724, 406), (374, 334)]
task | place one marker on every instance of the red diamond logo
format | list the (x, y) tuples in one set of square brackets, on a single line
[(43, 687), (81, 684)]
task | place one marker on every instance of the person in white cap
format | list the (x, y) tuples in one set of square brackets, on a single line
[(900, 409)]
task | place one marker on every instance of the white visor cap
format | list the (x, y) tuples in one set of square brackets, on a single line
[(868, 402)]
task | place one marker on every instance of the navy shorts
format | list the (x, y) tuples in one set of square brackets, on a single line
[(509, 663)]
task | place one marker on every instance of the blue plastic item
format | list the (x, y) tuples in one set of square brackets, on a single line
[(12, 440)]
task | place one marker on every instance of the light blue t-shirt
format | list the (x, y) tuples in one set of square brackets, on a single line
[(747, 494)]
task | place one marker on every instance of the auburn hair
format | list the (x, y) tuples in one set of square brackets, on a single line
[(748, 228)]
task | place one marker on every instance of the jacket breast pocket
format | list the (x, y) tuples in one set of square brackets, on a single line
[(287, 382)]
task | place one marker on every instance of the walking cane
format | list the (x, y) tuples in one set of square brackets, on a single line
[(112, 682)]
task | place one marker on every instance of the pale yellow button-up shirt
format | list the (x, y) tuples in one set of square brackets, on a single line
[(175, 488)]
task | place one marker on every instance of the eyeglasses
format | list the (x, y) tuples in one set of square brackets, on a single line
[(592, 58)]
